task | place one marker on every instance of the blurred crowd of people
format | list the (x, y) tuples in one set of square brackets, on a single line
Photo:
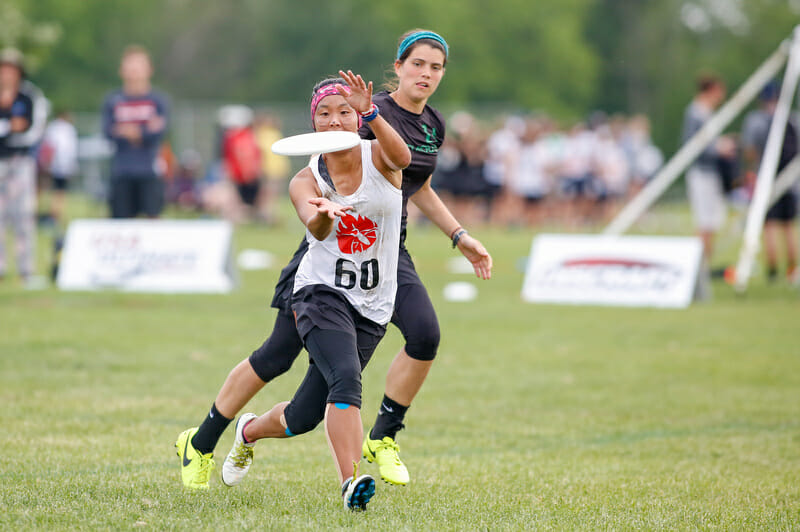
[(533, 171), (528, 171), (244, 179)]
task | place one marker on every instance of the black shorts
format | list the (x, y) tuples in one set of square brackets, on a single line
[(322, 309), (249, 192), (493, 191), (325, 308), (131, 196), (785, 209), (60, 182), (578, 186), (414, 314)]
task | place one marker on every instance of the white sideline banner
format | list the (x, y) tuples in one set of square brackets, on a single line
[(636, 271), (170, 256)]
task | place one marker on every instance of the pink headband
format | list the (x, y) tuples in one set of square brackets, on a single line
[(325, 91)]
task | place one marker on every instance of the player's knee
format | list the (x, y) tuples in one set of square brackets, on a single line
[(299, 421), (423, 344), (273, 359), (346, 388)]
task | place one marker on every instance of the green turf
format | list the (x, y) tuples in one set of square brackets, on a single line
[(533, 417)]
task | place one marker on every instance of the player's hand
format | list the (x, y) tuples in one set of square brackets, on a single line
[(329, 208), (475, 252), (360, 96)]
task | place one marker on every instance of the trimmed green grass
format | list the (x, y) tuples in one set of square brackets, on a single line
[(533, 417)]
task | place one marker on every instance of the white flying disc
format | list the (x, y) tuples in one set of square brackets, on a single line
[(318, 142)]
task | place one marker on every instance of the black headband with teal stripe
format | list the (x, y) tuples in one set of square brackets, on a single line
[(416, 36)]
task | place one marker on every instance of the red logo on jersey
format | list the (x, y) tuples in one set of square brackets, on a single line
[(355, 234)]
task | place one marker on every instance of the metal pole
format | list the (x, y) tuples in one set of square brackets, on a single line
[(689, 151), (769, 164)]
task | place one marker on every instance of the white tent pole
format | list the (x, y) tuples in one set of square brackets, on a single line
[(689, 151), (785, 180), (766, 171)]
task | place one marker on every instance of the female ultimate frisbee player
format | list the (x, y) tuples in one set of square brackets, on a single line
[(343, 295), (419, 66)]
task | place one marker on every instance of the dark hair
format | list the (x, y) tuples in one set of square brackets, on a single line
[(707, 82), (391, 78), (325, 82), (770, 92)]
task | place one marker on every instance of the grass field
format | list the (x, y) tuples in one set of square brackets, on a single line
[(533, 417)]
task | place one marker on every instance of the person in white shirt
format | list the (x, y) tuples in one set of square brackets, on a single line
[(58, 157)]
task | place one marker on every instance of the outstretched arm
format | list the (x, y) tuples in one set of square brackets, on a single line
[(318, 214), (434, 208), (391, 150)]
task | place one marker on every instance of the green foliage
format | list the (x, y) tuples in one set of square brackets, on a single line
[(564, 57)]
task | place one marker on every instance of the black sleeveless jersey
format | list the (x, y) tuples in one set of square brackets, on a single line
[(424, 135)]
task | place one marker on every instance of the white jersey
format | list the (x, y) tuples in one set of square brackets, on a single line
[(359, 256), (62, 137)]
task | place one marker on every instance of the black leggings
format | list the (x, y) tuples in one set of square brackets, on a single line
[(334, 376), (278, 352), (413, 315)]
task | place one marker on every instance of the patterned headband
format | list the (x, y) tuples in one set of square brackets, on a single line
[(414, 37)]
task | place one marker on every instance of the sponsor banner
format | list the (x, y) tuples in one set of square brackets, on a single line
[(147, 256), (637, 271)]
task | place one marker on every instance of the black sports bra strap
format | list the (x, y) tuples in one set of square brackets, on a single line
[(323, 171)]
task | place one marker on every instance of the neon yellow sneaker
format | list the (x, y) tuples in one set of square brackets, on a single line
[(195, 467), (386, 453)]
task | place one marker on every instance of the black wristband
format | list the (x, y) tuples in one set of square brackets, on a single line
[(457, 236)]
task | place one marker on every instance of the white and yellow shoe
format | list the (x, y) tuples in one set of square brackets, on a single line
[(240, 458)]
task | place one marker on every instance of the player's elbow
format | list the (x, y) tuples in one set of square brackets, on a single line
[(403, 159)]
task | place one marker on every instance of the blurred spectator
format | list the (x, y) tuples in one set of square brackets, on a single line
[(461, 179), (501, 149), (781, 216), (529, 179), (58, 160), (182, 190), (275, 168), (611, 169), (135, 119), (241, 157), (23, 117), (703, 178), (644, 158), (578, 180)]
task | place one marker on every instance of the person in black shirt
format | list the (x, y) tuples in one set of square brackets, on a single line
[(419, 66), (135, 120)]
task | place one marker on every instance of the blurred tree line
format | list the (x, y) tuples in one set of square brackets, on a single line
[(562, 57)]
